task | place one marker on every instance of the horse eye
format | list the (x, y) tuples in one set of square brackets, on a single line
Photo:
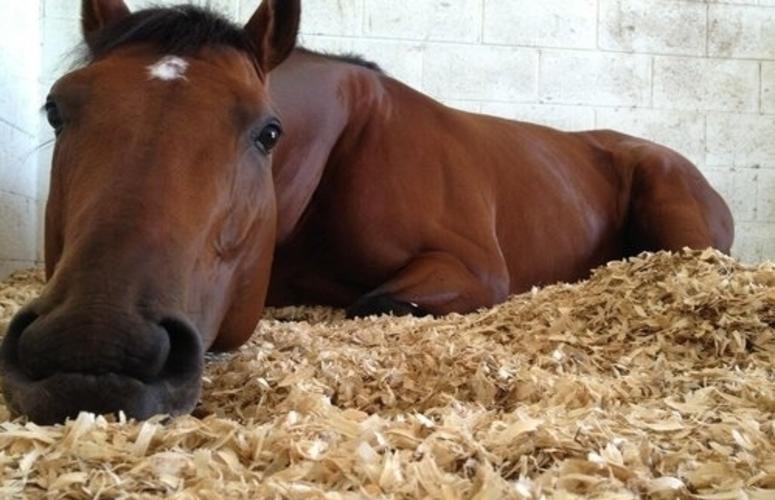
[(267, 139), (54, 117)]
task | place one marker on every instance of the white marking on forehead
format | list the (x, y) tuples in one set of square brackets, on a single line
[(169, 68)]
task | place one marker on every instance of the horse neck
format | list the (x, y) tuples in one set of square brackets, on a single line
[(320, 100)]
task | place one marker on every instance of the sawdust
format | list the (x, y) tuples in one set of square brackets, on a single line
[(653, 378)]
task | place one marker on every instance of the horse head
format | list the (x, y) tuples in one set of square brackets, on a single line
[(160, 223)]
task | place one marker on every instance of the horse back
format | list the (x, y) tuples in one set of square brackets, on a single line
[(531, 203)]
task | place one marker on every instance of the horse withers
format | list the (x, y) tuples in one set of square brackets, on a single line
[(160, 223)]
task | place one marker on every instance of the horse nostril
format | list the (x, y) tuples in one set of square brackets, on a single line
[(80, 341), (186, 354), (9, 351), (87, 341)]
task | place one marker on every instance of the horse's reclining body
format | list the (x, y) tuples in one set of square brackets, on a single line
[(390, 201), (170, 209)]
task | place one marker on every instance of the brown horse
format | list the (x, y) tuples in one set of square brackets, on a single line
[(161, 219), (389, 201)]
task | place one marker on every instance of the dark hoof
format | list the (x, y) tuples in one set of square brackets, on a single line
[(382, 304)]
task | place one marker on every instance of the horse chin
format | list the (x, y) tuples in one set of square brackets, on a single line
[(64, 395)]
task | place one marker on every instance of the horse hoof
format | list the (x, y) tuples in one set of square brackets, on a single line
[(383, 304)]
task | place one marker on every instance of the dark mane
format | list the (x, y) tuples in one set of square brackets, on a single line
[(355, 59), (180, 30), (183, 31)]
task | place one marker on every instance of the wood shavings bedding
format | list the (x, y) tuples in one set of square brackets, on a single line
[(653, 378)]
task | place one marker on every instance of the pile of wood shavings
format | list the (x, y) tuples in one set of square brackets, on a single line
[(653, 378)]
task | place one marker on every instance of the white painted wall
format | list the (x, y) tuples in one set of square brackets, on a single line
[(697, 75), (20, 41)]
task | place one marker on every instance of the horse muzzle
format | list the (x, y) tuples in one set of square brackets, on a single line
[(99, 359)]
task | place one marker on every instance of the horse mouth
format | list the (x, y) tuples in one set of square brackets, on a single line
[(54, 399)]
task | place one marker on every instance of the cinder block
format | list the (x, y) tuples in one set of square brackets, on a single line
[(653, 26), (706, 84), (683, 131), (747, 247), (229, 8), (768, 87), (18, 161), (19, 72), (548, 23), (425, 20), (559, 117), (571, 77), (471, 72), (20, 41), (740, 139), (343, 17), (71, 9), (61, 48), (741, 31), (19, 102), (754, 242), (62, 8), (18, 227), (766, 196), (738, 187)]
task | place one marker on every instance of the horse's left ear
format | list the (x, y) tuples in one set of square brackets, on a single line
[(96, 14), (273, 29)]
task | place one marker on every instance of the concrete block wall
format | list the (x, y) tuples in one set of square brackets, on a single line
[(696, 75), (20, 40)]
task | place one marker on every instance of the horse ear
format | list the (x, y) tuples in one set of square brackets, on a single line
[(96, 14), (273, 29)]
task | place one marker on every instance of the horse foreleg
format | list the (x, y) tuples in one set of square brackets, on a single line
[(435, 283)]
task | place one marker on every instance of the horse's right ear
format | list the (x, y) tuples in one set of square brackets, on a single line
[(273, 29), (96, 14)]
